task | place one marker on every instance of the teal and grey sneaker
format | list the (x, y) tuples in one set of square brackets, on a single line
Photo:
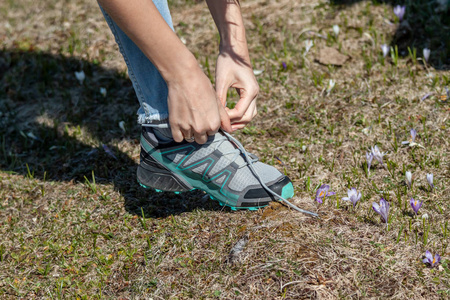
[(221, 167)]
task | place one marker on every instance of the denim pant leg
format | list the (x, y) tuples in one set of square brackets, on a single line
[(150, 87)]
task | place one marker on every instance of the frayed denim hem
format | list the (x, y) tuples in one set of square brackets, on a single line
[(149, 115), (153, 119)]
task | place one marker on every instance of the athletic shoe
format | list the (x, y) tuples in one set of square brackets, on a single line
[(218, 167)]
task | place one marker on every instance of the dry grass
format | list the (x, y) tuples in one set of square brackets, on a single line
[(65, 235)]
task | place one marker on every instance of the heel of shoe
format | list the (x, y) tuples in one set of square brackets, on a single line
[(160, 180)]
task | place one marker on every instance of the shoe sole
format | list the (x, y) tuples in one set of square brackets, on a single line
[(287, 192), (153, 175), (211, 197), (167, 182)]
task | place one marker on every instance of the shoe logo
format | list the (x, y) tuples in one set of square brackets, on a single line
[(220, 179), (206, 163), (169, 158)]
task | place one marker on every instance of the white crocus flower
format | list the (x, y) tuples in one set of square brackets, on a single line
[(430, 180), (331, 85), (308, 45), (385, 49), (353, 196), (408, 179), (378, 155), (80, 76), (426, 54), (103, 91), (122, 126), (336, 30), (32, 136)]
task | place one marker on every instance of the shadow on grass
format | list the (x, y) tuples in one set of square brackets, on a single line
[(426, 24), (54, 128)]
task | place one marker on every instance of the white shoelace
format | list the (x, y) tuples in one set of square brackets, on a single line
[(249, 161)]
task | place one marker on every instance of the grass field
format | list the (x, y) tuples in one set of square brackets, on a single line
[(74, 223)]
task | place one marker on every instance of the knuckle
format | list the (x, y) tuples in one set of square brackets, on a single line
[(199, 131), (241, 114), (254, 90), (215, 126), (185, 127)]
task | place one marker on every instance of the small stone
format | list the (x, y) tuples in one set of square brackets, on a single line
[(330, 56)]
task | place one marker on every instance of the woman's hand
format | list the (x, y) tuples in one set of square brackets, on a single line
[(195, 111), (234, 70), (233, 67)]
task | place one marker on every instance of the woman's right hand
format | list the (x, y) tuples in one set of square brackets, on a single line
[(194, 110)]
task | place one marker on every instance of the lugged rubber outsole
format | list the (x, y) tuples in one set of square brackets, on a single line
[(221, 203)]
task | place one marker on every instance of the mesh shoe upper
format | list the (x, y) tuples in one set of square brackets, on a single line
[(217, 167)]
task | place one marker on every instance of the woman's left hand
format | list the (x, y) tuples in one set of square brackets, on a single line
[(233, 70)]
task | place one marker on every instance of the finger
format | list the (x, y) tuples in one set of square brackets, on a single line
[(211, 133), (224, 119), (201, 138), (246, 98), (177, 134), (238, 126), (248, 115), (188, 135)]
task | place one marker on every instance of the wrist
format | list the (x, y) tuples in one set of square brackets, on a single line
[(236, 52), (179, 68), (233, 39)]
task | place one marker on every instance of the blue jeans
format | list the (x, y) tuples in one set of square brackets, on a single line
[(150, 87)]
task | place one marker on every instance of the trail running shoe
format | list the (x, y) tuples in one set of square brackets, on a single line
[(217, 167)]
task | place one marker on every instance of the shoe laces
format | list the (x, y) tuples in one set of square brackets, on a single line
[(250, 165), (236, 152), (250, 160)]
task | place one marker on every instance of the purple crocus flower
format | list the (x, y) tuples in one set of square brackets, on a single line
[(382, 209), (378, 155), (430, 180), (353, 196), (108, 151), (323, 192), (412, 137), (385, 49), (284, 65), (369, 157), (415, 205), (399, 11), (425, 96), (432, 261)]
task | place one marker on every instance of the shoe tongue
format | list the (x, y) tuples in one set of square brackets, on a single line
[(228, 147)]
